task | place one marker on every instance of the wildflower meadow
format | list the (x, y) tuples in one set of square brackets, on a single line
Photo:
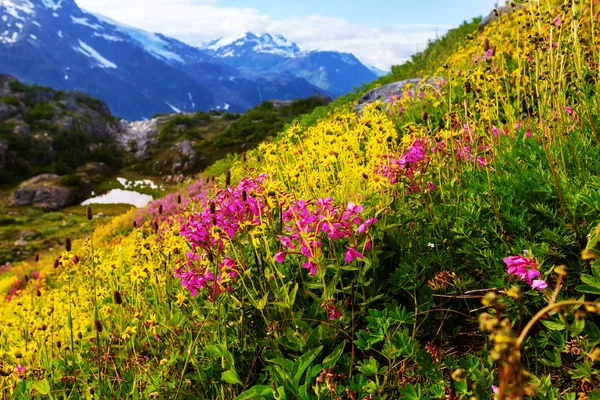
[(441, 244)]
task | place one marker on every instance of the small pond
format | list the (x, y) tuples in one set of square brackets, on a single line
[(123, 191), (120, 196)]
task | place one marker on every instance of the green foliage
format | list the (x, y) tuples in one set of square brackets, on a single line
[(12, 101), (70, 180), (265, 121), (40, 112)]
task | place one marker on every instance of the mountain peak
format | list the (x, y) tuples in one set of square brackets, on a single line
[(239, 45)]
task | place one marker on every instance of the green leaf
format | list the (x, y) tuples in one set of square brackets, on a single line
[(411, 392), (553, 325), (263, 302), (258, 392), (230, 376), (43, 387), (590, 280), (302, 364), (332, 359), (588, 289)]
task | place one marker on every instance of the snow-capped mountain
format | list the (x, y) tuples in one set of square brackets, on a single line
[(137, 73), (251, 43), (331, 71)]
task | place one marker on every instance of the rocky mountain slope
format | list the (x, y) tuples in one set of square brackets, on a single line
[(137, 73), (47, 131)]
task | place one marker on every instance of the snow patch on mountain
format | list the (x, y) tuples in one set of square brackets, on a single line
[(177, 110), (84, 21), (221, 42), (52, 4), (88, 51), (149, 41), (14, 10), (110, 38), (8, 38)]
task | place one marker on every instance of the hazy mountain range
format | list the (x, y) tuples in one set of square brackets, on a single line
[(139, 73)]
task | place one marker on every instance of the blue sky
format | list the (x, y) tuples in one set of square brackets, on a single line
[(379, 32), (374, 13)]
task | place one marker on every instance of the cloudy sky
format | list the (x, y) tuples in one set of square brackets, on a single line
[(379, 32)]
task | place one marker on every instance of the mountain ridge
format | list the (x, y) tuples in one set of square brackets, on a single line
[(137, 73), (332, 71)]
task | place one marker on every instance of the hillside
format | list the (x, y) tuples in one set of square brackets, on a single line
[(439, 243), (47, 131)]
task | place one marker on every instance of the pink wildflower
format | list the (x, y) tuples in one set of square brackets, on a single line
[(526, 269), (351, 254), (280, 257), (311, 267), (557, 21), (569, 111), (539, 284)]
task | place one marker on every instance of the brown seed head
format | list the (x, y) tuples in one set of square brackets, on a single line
[(178, 199), (37, 257), (68, 244), (117, 297), (228, 178), (98, 325), (88, 213), (160, 209)]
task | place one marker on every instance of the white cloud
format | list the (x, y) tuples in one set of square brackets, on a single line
[(196, 21)]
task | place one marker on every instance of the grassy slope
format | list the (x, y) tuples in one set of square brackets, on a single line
[(502, 159)]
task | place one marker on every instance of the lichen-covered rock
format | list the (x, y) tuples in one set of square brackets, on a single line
[(387, 92), (45, 191)]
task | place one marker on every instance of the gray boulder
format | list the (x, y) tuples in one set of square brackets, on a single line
[(186, 149), (8, 111), (387, 92), (45, 191)]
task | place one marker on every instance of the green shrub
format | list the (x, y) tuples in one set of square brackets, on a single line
[(17, 86), (40, 112), (70, 180)]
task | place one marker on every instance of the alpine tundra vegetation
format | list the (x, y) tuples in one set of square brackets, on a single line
[(439, 243)]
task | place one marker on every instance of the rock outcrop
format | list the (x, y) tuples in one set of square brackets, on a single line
[(387, 92), (45, 191)]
